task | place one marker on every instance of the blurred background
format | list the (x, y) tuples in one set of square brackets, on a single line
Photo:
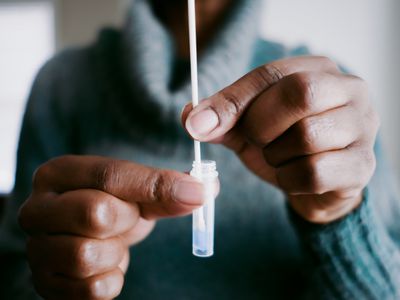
[(360, 34)]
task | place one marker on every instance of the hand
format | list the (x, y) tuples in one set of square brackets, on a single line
[(85, 212), (300, 124)]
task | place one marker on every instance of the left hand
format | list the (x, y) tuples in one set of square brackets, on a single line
[(300, 124)]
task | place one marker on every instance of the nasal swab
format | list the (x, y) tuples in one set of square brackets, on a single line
[(193, 66), (206, 171)]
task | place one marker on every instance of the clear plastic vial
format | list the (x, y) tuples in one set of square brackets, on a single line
[(203, 217)]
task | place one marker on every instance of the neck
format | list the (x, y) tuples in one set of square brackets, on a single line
[(209, 14)]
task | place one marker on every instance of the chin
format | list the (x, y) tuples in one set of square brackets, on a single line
[(165, 3)]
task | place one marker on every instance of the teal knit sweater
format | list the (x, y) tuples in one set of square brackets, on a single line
[(122, 97)]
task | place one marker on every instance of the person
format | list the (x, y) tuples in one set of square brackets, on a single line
[(297, 215)]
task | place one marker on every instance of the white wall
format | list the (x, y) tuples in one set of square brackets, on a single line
[(27, 40)]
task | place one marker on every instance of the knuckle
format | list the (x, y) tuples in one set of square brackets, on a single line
[(105, 175), (99, 216), (231, 103), (257, 138), (301, 93), (307, 134), (98, 288), (270, 74), (157, 182), (84, 257), (91, 289)]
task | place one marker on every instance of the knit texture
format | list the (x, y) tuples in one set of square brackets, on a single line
[(364, 264), (121, 97)]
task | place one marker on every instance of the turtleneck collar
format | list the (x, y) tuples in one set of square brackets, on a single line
[(150, 55)]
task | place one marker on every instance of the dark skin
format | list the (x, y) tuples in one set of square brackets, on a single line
[(298, 123), (209, 14)]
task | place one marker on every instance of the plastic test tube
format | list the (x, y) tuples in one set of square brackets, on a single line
[(203, 217)]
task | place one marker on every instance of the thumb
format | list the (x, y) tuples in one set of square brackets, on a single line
[(218, 114), (158, 192)]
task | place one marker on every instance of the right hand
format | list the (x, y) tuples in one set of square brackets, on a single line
[(84, 213)]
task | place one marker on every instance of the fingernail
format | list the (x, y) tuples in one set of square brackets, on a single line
[(202, 123), (189, 192)]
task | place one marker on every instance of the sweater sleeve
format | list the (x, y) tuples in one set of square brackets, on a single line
[(42, 137), (358, 256)]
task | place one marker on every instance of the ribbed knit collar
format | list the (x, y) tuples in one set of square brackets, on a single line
[(150, 55)]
